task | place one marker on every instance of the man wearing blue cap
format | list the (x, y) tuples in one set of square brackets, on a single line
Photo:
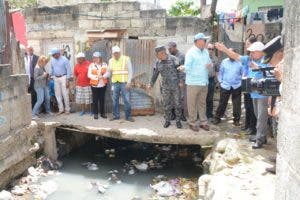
[(197, 63), (61, 74)]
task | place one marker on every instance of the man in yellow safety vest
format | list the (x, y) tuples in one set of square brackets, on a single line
[(121, 75)]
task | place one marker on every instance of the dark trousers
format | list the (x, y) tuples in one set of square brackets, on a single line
[(32, 91), (210, 97), (98, 97), (250, 119), (236, 103)]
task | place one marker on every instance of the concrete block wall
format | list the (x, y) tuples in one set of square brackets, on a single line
[(288, 163)]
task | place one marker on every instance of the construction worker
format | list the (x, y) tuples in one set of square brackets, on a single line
[(121, 74)]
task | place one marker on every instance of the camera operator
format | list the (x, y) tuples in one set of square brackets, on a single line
[(274, 57), (260, 103)]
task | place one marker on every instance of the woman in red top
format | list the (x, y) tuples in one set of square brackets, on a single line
[(83, 88), (98, 74)]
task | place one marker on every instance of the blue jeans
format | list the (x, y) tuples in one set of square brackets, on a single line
[(42, 94), (117, 89)]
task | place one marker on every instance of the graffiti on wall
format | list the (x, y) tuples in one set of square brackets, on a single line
[(263, 32)]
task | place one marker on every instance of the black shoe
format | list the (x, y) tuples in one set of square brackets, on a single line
[(271, 169), (173, 115), (236, 123), (96, 116), (178, 124), (244, 128), (257, 145), (252, 138), (167, 124), (103, 116), (216, 121)]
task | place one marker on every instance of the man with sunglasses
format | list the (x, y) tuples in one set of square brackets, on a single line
[(212, 72)]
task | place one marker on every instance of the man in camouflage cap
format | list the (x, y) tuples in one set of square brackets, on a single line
[(172, 47), (167, 67)]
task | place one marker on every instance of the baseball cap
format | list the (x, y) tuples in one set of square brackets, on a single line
[(200, 36), (159, 49), (256, 46), (97, 54), (116, 49), (80, 55), (54, 51)]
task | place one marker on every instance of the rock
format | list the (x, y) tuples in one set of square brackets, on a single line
[(101, 189), (142, 167), (19, 190), (202, 184), (32, 171), (34, 148), (5, 195)]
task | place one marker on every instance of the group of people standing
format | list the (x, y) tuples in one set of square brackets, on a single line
[(187, 86), (91, 80)]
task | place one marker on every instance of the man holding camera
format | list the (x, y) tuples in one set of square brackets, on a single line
[(260, 103)]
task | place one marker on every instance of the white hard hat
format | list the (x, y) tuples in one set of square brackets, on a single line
[(116, 49), (256, 46), (80, 55)]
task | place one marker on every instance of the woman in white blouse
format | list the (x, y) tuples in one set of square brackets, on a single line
[(98, 73)]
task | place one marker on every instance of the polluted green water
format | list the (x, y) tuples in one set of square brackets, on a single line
[(113, 165)]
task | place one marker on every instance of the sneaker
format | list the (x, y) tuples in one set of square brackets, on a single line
[(34, 117), (113, 119), (60, 112), (81, 113), (130, 119), (50, 113)]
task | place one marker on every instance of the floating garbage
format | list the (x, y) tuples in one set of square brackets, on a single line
[(180, 188), (90, 166), (165, 189)]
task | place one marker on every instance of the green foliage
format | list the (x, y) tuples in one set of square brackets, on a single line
[(14, 4), (184, 8)]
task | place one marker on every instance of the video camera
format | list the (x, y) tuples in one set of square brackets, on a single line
[(266, 86)]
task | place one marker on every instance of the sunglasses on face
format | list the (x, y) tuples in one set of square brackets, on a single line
[(210, 49)]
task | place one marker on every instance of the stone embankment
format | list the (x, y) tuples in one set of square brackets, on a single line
[(237, 172)]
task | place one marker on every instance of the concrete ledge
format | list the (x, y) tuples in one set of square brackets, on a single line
[(145, 129)]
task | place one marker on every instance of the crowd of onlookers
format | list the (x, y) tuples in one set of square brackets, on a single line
[(187, 83)]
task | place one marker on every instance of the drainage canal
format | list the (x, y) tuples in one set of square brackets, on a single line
[(104, 168)]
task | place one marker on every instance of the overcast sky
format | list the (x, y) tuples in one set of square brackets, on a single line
[(223, 5)]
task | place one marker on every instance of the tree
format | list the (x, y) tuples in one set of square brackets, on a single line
[(14, 4), (184, 8)]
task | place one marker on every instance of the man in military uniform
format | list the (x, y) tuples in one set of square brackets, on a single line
[(172, 47), (167, 67)]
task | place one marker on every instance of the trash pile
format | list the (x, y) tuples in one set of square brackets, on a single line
[(31, 185), (178, 188)]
